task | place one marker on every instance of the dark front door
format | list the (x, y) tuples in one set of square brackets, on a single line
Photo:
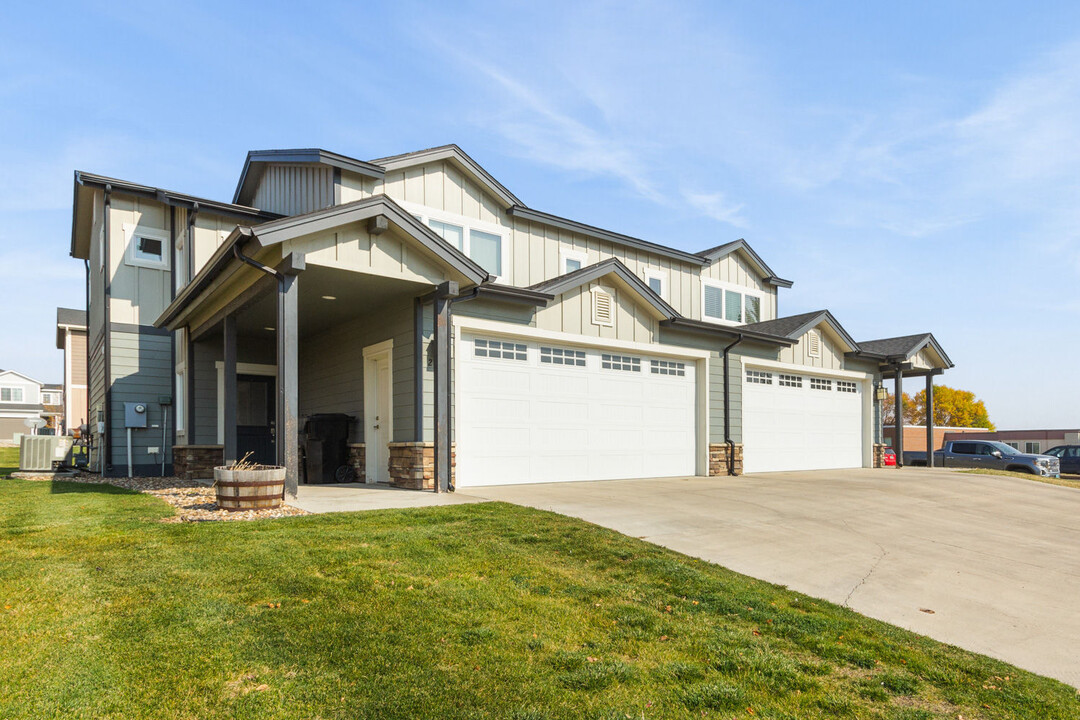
[(255, 418)]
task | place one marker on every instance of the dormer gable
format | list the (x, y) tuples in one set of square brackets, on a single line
[(747, 253)]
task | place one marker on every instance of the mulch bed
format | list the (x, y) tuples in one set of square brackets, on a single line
[(194, 502)]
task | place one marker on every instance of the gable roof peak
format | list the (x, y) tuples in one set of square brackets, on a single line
[(723, 250)]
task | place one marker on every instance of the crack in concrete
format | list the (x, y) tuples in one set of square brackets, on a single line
[(866, 577)]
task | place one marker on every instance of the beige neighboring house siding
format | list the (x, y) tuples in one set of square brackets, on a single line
[(536, 250), (572, 312), (353, 186), (209, 234), (75, 385), (830, 357)]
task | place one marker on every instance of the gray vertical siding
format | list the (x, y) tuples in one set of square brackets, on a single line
[(293, 189), (142, 371), (332, 368)]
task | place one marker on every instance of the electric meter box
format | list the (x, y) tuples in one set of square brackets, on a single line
[(134, 415)]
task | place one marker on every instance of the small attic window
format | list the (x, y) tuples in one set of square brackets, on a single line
[(146, 247), (813, 344), (603, 308)]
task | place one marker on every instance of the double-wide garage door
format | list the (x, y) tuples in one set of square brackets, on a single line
[(530, 412), (795, 420)]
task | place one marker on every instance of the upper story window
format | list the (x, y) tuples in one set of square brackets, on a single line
[(11, 394), (50, 398), (485, 243), (571, 260), (146, 247), (729, 304), (657, 281)]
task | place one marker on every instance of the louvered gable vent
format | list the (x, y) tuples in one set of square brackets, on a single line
[(603, 308), (813, 344)]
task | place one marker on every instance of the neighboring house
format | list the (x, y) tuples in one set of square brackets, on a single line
[(52, 410), (420, 296), (1028, 441), (20, 400), (71, 338), (915, 436)]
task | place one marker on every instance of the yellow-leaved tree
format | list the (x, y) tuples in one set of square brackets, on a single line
[(952, 408)]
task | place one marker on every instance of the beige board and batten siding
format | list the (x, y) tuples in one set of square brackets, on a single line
[(295, 189), (830, 355), (572, 312), (536, 249), (137, 295)]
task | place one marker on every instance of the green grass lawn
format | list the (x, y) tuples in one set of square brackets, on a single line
[(9, 460), (1066, 481), (471, 611)]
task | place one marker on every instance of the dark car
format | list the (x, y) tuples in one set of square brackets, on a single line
[(1069, 455)]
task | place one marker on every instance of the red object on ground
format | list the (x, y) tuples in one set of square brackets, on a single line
[(889, 457)]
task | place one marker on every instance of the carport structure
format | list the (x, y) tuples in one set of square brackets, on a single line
[(289, 316), (909, 356)]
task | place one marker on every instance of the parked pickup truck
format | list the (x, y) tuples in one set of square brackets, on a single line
[(988, 455)]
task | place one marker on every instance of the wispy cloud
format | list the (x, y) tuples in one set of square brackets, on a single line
[(717, 206)]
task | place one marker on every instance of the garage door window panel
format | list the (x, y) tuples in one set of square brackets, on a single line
[(820, 384), (500, 349), (793, 381), (562, 356), (623, 363), (667, 367), (759, 377), (846, 386)]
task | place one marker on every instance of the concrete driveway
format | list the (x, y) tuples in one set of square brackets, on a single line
[(996, 559)]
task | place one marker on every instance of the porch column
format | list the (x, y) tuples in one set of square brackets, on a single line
[(189, 387), (930, 420), (287, 439), (442, 385), (229, 401), (898, 422)]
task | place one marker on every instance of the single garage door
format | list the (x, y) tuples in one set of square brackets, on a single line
[(799, 421), (531, 412)]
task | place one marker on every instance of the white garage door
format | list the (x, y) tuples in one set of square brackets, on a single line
[(531, 412), (799, 421)]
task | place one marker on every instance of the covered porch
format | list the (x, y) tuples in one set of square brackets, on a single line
[(910, 356), (344, 313)]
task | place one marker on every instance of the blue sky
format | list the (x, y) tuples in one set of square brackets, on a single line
[(911, 167)]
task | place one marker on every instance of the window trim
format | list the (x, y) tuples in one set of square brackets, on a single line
[(726, 287), (624, 363), (578, 357), (424, 213), (567, 254), (511, 345), (132, 233)]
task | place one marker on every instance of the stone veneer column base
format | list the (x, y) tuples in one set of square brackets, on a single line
[(879, 454), (358, 461), (197, 462), (718, 459), (412, 465)]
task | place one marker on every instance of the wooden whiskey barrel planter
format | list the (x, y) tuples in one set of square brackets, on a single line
[(249, 489)]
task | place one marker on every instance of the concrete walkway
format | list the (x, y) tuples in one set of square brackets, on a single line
[(996, 559), (349, 497)]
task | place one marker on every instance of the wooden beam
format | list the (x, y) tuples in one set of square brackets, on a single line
[(442, 394), (229, 401), (898, 423), (288, 395), (418, 369), (930, 420)]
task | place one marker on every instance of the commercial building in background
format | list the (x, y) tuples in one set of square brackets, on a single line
[(1027, 441), (915, 436)]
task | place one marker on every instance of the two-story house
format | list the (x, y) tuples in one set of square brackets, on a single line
[(21, 405), (458, 326)]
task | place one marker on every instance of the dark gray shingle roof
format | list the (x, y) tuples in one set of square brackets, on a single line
[(70, 316)]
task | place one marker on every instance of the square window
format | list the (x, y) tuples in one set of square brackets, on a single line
[(486, 249), (657, 285), (732, 306), (820, 384), (714, 302), (1033, 447), (453, 234), (149, 248), (794, 381), (845, 386), (752, 304), (572, 264)]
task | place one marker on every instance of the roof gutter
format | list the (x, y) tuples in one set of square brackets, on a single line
[(700, 326)]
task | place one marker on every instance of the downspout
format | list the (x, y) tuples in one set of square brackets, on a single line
[(106, 291), (727, 407), (239, 255)]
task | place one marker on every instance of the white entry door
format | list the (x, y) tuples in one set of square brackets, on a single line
[(532, 412), (795, 420), (378, 411)]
